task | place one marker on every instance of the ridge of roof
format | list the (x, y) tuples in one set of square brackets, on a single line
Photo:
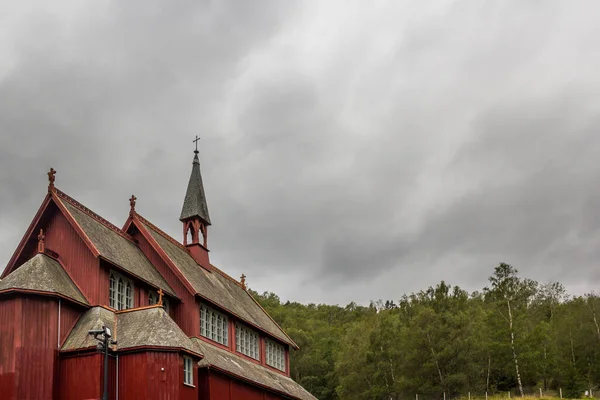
[(128, 310), (285, 338), (63, 196), (159, 231), (220, 271), (174, 241), (294, 344)]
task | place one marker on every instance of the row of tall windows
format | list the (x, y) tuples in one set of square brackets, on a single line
[(120, 291), (275, 355), (246, 341), (214, 326)]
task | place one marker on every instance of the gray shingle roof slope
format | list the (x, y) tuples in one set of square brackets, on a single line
[(230, 362), (94, 318), (194, 204), (150, 327), (135, 328), (118, 249), (219, 289), (44, 274)]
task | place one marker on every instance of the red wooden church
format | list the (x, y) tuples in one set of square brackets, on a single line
[(181, 328)]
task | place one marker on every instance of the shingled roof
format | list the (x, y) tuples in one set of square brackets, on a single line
[(94, 318), (113, 245), (217, 287), (43, 274), (239, 366), (150, 327), (143, 327), (194, 204)]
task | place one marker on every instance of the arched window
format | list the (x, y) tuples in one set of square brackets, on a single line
[(120, 291), (112, 291), (129, 296), (120, 295)]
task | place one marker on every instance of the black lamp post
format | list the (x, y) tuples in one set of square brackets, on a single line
[(103, 337)]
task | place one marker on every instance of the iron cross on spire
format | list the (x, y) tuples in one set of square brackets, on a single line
[(196, 141)]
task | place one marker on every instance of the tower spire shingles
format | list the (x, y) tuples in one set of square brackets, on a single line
[(194, 216), (194, 205)]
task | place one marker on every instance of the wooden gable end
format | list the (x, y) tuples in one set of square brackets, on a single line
[(186, 314), (64, 238)]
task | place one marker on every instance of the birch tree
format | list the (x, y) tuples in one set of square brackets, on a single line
[(510, 296)]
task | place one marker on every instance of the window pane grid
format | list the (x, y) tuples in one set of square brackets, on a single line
[(188, 370), (275, 355), (246, 341), (213, 325), (120, 291)]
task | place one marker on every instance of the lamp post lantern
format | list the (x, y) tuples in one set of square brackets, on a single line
[(103, 337)]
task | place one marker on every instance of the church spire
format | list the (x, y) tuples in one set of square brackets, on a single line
[(194, 205), (194, 215)]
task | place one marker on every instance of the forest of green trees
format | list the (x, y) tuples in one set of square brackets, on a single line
[(515, 335)]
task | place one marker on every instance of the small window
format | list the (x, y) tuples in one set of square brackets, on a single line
[(120, 291), (213, 325), (188, 371), (112, 291), (275, 354), (246, 341)]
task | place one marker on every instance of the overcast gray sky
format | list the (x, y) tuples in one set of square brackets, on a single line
[(351, 150)]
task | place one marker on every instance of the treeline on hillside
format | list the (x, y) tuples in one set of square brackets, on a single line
[(515, 335)]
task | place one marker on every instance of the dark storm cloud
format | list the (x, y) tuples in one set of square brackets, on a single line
[(349, 151)]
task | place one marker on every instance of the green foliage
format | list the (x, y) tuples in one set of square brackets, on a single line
[(445, 340)]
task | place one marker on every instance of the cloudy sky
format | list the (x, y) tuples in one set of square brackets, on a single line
[(350, 150)]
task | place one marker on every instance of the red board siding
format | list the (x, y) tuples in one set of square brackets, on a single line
[(75, 256), (9, 308), (223, 387), (80, 377), (186, 314), (153, 376), (28, 353), (68, 318), (29, 342)]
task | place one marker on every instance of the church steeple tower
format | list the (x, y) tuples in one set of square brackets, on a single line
[(194, 215)]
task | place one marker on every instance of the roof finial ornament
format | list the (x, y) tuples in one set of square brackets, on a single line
[(132, 200), (51, 179), (243, 281), (196, 141), (41, 246), (160, 297)]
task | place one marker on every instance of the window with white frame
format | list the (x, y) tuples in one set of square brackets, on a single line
[(246, 341), (120, 291), (213, 325), (188, 371), (275, 355)]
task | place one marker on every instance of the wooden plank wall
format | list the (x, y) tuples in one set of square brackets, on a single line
[(80, 377), (76, 258), (154, 376), (186, 314), (29, 344), (223, 387)]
